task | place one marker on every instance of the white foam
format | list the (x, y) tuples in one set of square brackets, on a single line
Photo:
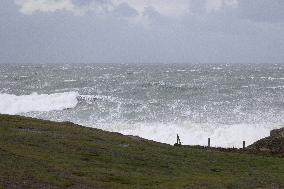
[(217, 68), (12, 104), (69, 80), (193, 134)]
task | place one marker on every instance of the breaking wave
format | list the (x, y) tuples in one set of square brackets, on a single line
[(193, 133), (227, 103), (12, 104)]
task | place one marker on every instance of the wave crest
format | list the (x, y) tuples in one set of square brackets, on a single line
[(192, 133), (12, 104)]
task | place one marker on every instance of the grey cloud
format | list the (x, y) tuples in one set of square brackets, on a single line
[(262, 10), (86, 2), (83, 2), (198, 6), (227, 35), (125, 10), (151, 13)]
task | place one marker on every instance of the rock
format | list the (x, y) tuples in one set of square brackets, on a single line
[(274, 143), (277, 133)]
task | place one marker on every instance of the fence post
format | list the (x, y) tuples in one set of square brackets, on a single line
[(244, 144), (208, 142)]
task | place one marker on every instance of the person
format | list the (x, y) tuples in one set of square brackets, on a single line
[(178, 140)]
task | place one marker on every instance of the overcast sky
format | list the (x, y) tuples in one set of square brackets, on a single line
[(153, 31)]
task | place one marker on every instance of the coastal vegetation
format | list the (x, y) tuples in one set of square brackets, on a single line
[(43, 154)]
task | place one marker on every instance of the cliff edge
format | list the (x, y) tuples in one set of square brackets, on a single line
[(274, 143)]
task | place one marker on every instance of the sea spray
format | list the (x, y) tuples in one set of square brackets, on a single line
[(12, 104), (191, 133), (227, 103)]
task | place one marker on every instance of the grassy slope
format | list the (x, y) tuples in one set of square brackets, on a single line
[(43, 154)]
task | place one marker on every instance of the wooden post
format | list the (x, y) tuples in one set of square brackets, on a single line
[(208, 142), (244, 144)]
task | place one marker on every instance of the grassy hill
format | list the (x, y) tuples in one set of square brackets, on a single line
[(43, 154)]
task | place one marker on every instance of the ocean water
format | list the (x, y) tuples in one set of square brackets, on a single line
[(228, 103)]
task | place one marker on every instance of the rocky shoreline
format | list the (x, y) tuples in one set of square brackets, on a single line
[(274, 143)]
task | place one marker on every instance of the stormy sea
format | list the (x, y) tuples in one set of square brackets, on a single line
[(228, 103)]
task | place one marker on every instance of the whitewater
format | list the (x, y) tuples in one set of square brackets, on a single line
[(227, 103), (12, 104)]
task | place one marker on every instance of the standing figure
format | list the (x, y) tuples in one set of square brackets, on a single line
[(178, 141)]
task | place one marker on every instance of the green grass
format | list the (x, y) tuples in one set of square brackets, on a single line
[(44, 154)]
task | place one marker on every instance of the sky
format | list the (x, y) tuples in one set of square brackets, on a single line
[(136, 31)]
